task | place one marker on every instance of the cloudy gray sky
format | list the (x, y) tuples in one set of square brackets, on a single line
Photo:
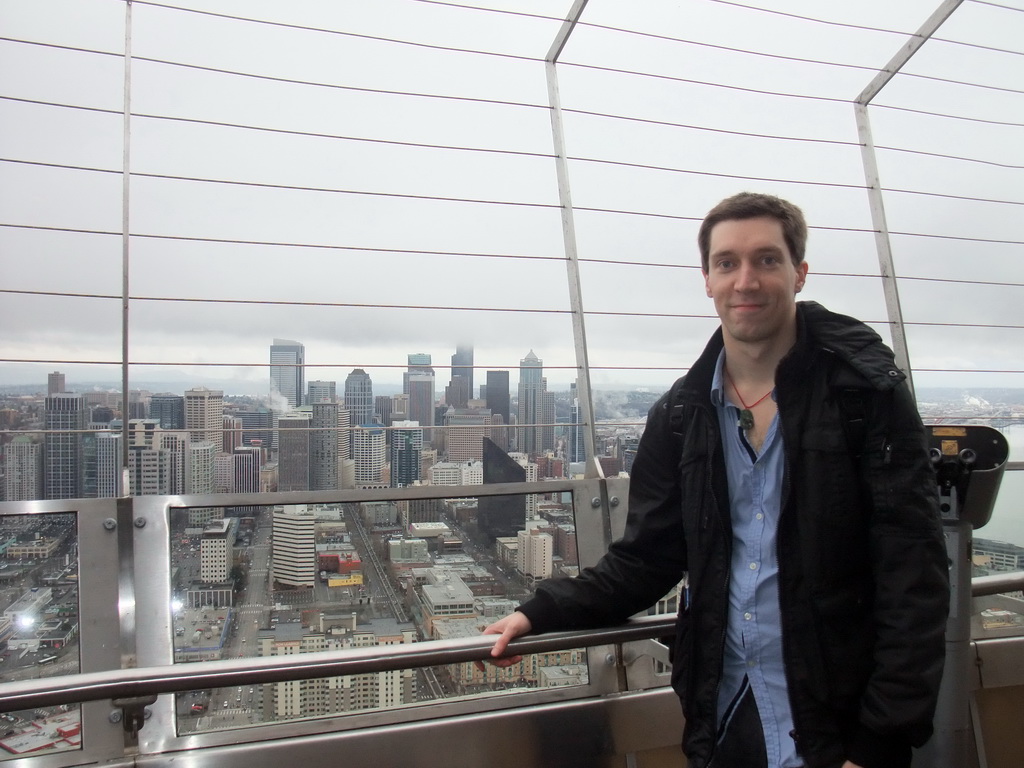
[(374, 179)]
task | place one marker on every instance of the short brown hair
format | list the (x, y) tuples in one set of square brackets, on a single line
[(752, 205)]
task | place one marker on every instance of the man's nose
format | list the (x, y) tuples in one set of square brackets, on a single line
[(746, 277)]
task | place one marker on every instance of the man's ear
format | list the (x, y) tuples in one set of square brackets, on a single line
[(801, 275), (707, 287)]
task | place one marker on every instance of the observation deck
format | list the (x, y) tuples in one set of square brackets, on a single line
[(185, 184)]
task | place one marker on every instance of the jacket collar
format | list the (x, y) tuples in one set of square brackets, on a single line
[(818, 328)]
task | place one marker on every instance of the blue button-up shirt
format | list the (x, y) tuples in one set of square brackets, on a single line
[(753, 647)]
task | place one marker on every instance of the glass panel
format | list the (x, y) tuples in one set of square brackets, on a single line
[(271, 581), (999, 548), (39, 626)]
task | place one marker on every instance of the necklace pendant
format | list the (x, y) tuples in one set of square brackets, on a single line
[(746, 419)]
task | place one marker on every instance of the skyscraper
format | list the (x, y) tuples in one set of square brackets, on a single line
[(204, 416), (406, 448), (293, 452), (108, 464), (418, 384), (498, 394), (168, 409), (54, 383), (576, 450), (369, 452), (462, 365), (359, 396), (232, 431), (456, 394), (323, 448), (467, 429), (177, 446), (294, 547), (499, 516), (23, 462), (64, 417), (531, 403), (258, 427), (287, 371), (148, 470), (322, 392)]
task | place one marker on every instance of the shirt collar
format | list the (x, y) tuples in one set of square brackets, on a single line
[(719, 397), (718, 381)]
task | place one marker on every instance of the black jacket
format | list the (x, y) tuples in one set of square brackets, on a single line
[(863, 577)]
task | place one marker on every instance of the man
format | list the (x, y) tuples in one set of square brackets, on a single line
[(787, 476)]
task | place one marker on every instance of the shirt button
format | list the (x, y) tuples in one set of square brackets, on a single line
[(759, 516), (747, 616), (751, 663), (753, 566)]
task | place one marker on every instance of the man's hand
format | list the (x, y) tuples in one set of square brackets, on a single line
[(510, 627), (848, 764)]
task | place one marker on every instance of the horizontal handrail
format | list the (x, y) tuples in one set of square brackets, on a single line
[(175, 678), (997, 583), (94, 686), (349, 496)]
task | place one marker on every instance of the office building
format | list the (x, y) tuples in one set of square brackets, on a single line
[(109, 460), (323, 447), (465, 430), (452, 473), (287, 371), (64, 419), (322, 392), (232, 431), (576, 449), (200, 473), (293, 455), (998, 556), (204, 415), (500, 516), (359, 396), (344, 434), (535, 555), (247, 464), (142, 432), (531, 385), (370, 455), (216, 551), (293, 539), (23, 470), (176, 444), (406, 449), (55, 383), (497, 395), (200, 478), (382, 411), (148, 470), (168, 409), (259, 427), (456, 394), (421, 401), (462, 365)]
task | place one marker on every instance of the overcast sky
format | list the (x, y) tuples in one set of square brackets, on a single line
[(398, 153)]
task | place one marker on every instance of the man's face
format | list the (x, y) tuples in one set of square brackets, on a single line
[(752, 279)]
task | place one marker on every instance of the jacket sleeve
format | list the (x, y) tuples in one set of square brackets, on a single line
[(911, 586), (645, 563)]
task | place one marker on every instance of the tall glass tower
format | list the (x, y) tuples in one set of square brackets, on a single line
[(531, 403), (359, 396), (287, 371)]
